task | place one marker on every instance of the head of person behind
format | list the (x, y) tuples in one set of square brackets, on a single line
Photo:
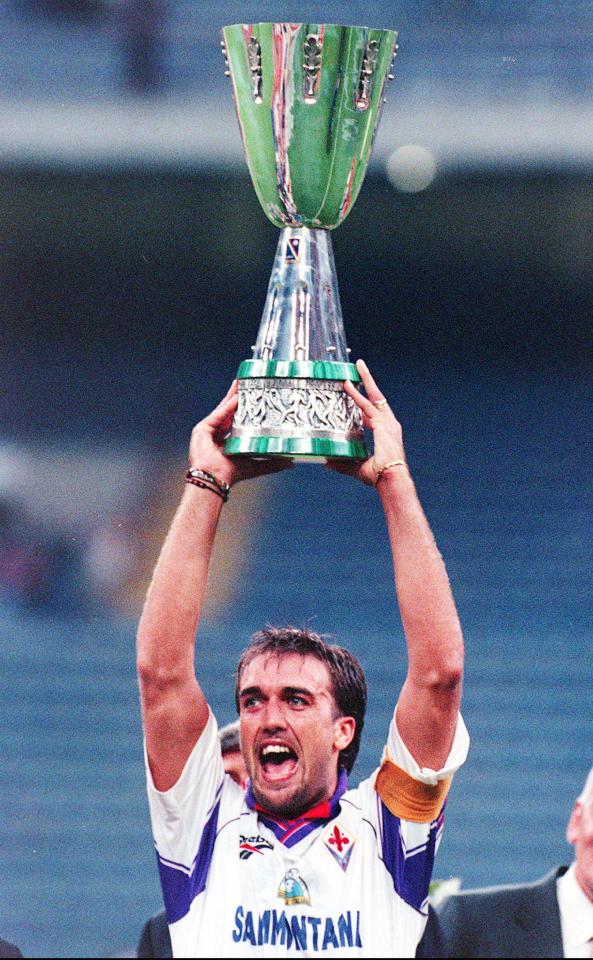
[(301, 703), (579, 833), (230, 747)]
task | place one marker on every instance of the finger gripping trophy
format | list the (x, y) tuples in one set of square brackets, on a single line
[(308, 98)]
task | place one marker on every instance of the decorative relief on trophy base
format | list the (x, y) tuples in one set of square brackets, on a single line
[(284, 407), (296, 416)]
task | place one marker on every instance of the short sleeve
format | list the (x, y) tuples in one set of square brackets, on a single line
[(410, 809), (184, 820), (412, 792), (399, 754)]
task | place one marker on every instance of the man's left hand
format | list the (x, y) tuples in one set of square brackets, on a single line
[(378, 417)]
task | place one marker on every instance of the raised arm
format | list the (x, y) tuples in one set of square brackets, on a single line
[(429, 701), (174, 709)]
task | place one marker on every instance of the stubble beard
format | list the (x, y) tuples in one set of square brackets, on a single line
[(290, 808)]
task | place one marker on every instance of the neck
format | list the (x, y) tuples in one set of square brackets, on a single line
[(319, 808), (584, 882)]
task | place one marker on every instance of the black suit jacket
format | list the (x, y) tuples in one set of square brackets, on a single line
[(511, 921), (8, 949), (155, 940), (433, 941)]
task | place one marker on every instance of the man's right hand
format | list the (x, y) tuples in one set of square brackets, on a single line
[(206, 448)]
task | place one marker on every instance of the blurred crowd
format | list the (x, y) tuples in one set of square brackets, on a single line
[(137, 29), (42, 567)]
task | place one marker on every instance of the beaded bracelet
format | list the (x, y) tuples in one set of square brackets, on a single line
[(207, 481)]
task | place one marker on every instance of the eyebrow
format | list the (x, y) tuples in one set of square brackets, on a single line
[(290, 691), (249, 691), (286, 691)]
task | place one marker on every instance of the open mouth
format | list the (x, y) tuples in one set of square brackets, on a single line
[(277, 761)]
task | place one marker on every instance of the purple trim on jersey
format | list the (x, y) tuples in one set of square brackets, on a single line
[(300, 829), (411, 869), (172, 863), (180, 889), (290, 832), (184, 866)]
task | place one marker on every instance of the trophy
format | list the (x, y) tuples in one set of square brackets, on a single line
[(308, 99)]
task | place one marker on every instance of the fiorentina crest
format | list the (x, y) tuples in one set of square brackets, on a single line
[(339, 843)]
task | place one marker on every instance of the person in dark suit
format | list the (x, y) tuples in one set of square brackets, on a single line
[(154, 938), (8, 949), (552, 917), (507, 921), (432, 943)]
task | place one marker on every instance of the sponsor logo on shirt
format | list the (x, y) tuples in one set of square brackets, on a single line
[(303, 932), (250, 845)]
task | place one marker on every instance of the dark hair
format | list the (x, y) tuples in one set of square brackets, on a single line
[(348, 682), (230, 741)]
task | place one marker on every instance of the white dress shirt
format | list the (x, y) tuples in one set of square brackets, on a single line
[(576, 916)]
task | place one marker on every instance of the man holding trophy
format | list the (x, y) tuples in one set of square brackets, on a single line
[(298, 862)]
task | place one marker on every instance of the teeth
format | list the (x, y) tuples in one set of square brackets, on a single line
[(274, 748)]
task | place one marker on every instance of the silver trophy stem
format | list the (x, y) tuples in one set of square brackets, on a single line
[(291, 397), (302, 318)]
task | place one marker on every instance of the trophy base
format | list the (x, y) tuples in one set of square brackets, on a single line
[(297, 448), (298, 410)]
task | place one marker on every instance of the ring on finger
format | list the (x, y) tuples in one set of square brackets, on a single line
[(380, 403)]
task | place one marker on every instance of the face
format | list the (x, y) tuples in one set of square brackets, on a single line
[(580, 833), (290, 734), (234, 765)]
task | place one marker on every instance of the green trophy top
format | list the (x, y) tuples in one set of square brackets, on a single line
[(308, 99)]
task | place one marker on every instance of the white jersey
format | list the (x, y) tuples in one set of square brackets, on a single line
[(351, 880)]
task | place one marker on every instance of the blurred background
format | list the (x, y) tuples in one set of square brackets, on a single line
[(134, 262)]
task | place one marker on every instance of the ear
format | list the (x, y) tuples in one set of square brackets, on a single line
[(572, 828), (344, 730)]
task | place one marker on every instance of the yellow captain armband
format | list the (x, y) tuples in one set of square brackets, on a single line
[(407, 798)]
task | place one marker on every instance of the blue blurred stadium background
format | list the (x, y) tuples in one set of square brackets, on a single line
[(134, 261)]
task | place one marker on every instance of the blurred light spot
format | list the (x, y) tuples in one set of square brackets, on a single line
[(411, 168)]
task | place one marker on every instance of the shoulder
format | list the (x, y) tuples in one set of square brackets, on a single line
[(432, 943), (359, 803), (155, 940), (502, 921), (476, 901), (9, 949)]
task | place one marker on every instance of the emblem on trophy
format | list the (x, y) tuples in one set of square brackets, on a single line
[(308, 99)]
